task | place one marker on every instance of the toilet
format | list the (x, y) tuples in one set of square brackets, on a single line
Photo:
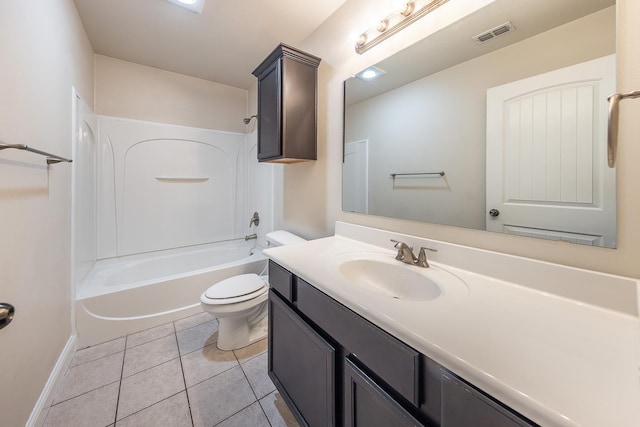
[(240, 302)]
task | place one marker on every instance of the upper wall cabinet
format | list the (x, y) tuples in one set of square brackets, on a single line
[(287, 106)]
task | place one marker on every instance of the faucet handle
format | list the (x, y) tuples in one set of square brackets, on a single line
[(422, 256), (400, 245), (255, 219), (404, 251)]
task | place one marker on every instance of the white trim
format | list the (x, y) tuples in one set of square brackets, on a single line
[(365, 142), (75, 98), (40, 409)]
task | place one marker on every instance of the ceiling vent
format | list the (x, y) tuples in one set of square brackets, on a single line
[(485, 36)]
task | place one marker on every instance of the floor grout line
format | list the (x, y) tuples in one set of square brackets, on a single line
[(155, 339), (150, 367), (153, 404), (253, 391), (184, 380), (115, 416), (83, 393), (234, 414)]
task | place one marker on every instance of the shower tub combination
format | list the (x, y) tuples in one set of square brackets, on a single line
[(132, 293), (162, 219)]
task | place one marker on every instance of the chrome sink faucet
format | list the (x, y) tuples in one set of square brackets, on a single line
[(405, 254)]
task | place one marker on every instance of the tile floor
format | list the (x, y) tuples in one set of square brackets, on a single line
[(171, 375)]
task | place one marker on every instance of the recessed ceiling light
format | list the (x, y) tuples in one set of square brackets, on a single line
[(370, 73), (192, 5)]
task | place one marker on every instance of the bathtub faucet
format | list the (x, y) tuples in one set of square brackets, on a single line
[(253, 236)]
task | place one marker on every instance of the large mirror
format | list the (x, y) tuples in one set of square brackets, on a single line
[(506, 134)]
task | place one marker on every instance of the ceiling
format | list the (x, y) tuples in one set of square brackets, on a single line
[(224, 44)]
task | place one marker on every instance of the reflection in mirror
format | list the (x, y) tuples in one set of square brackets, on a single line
[(517, 123)]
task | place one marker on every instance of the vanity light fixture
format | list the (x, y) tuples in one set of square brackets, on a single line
[(411, 12), (192, 5), (370, 73)]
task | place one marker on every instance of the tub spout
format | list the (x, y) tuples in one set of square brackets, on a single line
[(253, 236)]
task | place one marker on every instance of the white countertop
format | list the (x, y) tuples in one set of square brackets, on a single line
[(558, 361)]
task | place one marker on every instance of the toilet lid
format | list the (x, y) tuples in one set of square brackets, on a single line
[(237, 288)]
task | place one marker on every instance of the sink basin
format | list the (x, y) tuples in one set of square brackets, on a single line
[(393, 279)]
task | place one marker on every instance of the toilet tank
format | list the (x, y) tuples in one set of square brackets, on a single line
[(281, 238)]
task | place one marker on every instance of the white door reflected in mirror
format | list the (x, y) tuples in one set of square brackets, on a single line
[(547, 170)]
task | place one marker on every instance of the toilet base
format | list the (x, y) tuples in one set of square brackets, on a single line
[(237, 332)]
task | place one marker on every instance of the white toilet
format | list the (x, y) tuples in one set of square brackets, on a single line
[(240, 302)]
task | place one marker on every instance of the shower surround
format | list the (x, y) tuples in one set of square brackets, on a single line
[(172, 204)]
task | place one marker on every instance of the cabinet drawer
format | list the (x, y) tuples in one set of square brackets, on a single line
[(281, 280), (393, 361)]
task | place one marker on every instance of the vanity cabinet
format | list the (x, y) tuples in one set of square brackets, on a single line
[(335, 368), (465, 405), (287, 106), (302, 365), (367, 404)]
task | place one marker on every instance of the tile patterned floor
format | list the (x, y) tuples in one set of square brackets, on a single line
[(171, 375)]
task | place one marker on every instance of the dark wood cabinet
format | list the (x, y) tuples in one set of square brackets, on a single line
[(301, 365), (333, 367), (369, 405), (287, 106), (465, 405), (394, 362)]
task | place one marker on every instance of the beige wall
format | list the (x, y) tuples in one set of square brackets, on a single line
[(125, 89), (44, 52), (312, 191)]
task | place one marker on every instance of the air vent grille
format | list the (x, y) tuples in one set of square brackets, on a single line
[(485, 36)]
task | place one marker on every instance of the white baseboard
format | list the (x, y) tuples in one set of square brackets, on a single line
[(40, 410)]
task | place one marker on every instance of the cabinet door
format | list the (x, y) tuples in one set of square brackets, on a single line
[(393, 361), (368, 405), (301, 365), (270, 112), (463, 405)]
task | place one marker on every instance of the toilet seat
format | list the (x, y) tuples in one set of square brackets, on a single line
[(235, 289)]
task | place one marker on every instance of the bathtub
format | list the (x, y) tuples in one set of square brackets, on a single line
[(123, 295)]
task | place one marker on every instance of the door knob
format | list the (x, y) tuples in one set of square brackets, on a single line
[(6, 314), (494, 212)]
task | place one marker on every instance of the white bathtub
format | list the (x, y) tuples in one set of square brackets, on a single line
[(128, 294)]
